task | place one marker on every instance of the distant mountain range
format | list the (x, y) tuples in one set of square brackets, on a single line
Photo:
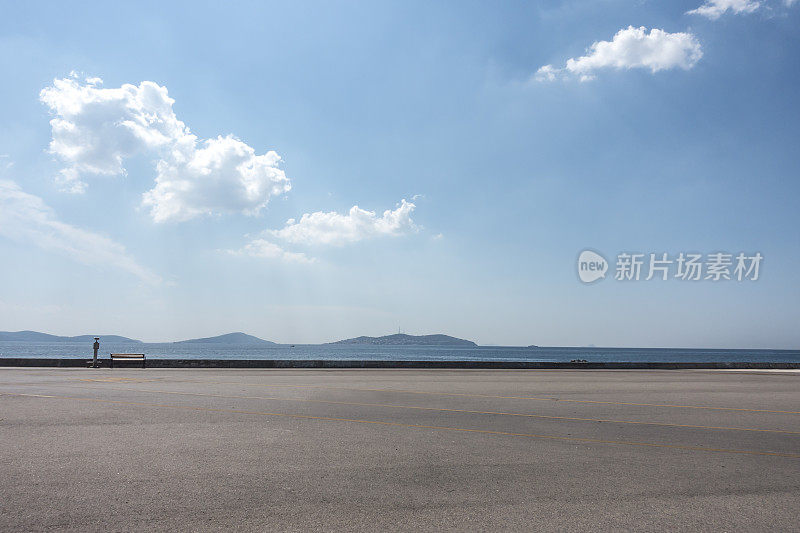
[(35, 336), (228, 338), (401, 339), (398, 339)]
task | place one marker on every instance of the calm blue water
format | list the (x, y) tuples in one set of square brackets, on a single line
[(396, 353)]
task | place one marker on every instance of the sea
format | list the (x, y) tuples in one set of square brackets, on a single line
[(393, 353)]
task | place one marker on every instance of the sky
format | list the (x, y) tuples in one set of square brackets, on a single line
[(311, 171)]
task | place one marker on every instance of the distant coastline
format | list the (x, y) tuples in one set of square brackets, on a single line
[(36, 336), (242, 347), (239, 338)]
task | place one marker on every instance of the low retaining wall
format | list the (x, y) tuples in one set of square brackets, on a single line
[(297, 363)]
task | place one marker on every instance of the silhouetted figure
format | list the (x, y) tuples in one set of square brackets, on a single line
[(96, 347)]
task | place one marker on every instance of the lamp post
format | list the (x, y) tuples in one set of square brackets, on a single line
[(96, 347)]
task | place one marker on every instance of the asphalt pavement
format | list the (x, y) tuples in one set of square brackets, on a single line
[(368, 450)]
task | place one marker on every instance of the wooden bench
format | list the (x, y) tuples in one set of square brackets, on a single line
[(127, 357)]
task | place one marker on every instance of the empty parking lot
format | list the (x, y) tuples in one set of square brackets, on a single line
[(398, 449)]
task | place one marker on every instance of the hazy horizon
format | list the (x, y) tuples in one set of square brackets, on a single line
[(334, 340)]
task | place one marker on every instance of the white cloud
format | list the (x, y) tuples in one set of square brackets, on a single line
[(221, 175), (631, 48), (26, 218), (269, 250), (96, 129), (713, 9), (546, 73), (336, 229)]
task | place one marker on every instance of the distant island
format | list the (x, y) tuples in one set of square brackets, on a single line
[(401, 339), (239, 338), (228, 338), (35, 336)]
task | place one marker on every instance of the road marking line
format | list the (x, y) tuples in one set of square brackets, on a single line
[(120, 380), (471, 395), (418, 426), (423, 408)]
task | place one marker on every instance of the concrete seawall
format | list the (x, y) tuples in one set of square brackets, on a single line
[(327, 363)]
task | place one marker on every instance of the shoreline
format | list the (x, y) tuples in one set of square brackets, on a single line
[(81, 362)]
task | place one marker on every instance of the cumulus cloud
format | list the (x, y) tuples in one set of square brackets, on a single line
[(26, 218), (713, 9), (630, 48), (336, 229), (218, 175), (331, 229), (96, 129), (269, 250)]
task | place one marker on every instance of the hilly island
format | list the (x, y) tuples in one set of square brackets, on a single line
[(228, 338), (238, 338), (35, 336), (401, 339)]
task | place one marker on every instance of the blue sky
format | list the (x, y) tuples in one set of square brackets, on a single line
[(676, 132)]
